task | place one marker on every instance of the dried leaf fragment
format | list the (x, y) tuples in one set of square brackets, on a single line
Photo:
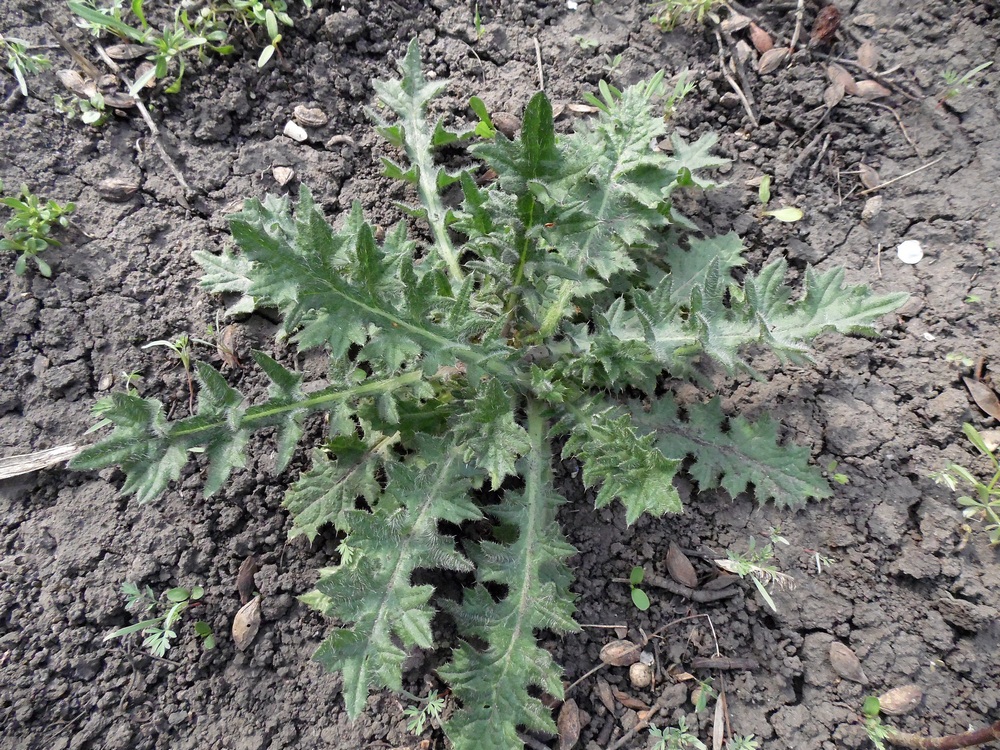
[(282, 175), (868, 176), (838, 74), (871, 90), (506, 123), (605, 696), (900, 700), (680, 568), (119, 101), (735, 22), (76, 83), (773, 59), (827, 23), (846, 663), (140, 74), (984, 396), (117, 188), (127, 51), (868, 55), (246, 623), (833, 94), (629, 702), (245, 583), (582, 109), (569, 725), (620, 653), (760, 39)]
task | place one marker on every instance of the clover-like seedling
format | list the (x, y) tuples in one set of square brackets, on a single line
[(159, 631), (28, 231), (639, 597)]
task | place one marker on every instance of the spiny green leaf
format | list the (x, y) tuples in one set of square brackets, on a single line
[(492, 437), (627, 466), (732, 453), (493, 685), (374, 594)]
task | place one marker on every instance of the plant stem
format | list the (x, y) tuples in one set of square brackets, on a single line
[(948, 742)]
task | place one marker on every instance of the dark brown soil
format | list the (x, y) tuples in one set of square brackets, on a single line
[(908, 588)]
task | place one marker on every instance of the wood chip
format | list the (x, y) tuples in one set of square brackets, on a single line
[(569, 725), (760, 39), (827, 23), (984, 396), (872, 90), (14, 466), (246, 623), (620, 653), (900, 700), (773, 59), (680, 568), (868, 55), (846, 663)]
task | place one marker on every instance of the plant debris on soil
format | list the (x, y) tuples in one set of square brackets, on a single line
[(892, 589)]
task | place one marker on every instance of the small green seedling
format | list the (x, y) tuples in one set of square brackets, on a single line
[(682, 87), (764, 191), (704, 692), (787, 214), (181, 346), (130, 380), (669, 14), (159, 630), (959, 359), (418, 717), (955, 82), (675, 739), (984, 504), (28, 231), (91, 111), (741, 742), (478, 22), (877, 732), (831, 471), (755, 564), (20, 63), (585, 42), (611, 63), (973, 299), (639, 598)]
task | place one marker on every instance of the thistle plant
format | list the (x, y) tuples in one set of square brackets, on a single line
[(547, 315)]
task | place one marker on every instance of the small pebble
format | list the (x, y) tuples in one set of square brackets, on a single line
[(910, 252)]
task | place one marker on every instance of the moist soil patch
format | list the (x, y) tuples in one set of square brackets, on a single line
[(887, 567)]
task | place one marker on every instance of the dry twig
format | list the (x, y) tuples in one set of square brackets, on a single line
[(901, 177), (153, 129), (948, 742)]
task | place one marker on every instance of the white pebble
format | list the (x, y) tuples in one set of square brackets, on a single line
[(910, 251)]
